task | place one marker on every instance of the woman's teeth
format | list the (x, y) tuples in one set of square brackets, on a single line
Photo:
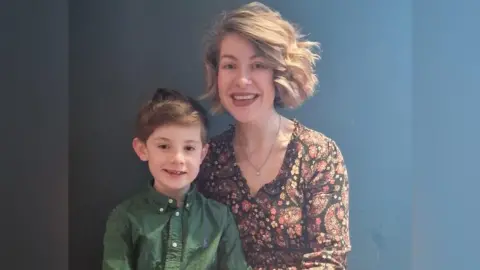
[(243, 97)]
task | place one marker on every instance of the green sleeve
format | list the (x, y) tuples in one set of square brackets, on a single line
[(117, 242), (230, 253)]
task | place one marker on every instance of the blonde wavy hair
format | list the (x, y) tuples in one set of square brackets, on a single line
[(278, 41)]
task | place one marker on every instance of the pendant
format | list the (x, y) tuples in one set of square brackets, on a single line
[(258, 173)]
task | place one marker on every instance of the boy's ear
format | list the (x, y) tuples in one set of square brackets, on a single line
[(140, 149), (204, 151)]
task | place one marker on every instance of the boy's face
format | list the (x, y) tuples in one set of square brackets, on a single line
[(174, 154)]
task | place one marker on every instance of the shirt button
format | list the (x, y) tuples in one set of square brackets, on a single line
[(170, 200), (174, 244), (161, 209), (177, 214)]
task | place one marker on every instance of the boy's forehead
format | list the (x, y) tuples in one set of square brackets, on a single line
[(177, 133)]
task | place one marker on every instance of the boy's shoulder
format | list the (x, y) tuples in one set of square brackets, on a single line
[(219, 211), (130, 204)]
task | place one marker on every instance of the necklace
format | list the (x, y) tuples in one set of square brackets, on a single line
[(259, 169)]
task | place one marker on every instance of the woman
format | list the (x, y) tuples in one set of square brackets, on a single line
[(286, 184)]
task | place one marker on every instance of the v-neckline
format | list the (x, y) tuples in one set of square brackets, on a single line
[(285, 161)]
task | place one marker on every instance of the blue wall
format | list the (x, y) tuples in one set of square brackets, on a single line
[(446, 130)]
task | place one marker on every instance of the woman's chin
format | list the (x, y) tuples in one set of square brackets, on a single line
[(244, 114)]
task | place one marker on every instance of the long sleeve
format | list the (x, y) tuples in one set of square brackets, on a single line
[(327, 209), (117, 243), (230, 252)]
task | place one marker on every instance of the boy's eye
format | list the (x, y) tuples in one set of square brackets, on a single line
[(189, 148), (163, 146)]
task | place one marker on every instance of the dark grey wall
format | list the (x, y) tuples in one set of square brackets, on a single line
[(34, 135)]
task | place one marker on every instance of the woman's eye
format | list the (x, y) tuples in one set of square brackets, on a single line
[(189, 148), (163, 146), (259, 65)]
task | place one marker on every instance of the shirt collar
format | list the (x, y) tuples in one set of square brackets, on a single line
[(164, 203)]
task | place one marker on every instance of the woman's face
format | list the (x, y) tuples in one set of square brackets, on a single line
[(245, 82)]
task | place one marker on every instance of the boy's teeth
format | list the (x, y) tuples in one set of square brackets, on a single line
[(244, 97), (175, 172)]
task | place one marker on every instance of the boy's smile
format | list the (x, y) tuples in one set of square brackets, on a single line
[(174, 172)]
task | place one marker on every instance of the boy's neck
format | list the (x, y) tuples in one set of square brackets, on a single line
[(177, 194)]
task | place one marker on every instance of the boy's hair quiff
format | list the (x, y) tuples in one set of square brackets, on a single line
[(169, 106), (291, 57)]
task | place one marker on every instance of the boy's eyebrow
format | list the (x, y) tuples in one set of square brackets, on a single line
[(167, 139), (192, 141), (161, 139)]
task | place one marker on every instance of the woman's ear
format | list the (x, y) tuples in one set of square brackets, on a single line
[(140, 149)]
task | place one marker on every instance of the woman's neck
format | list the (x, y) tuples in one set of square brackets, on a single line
[(253, 136)]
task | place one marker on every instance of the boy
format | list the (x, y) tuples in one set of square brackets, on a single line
[(171, 225)]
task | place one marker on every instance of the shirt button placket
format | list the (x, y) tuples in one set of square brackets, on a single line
[(174, 252)]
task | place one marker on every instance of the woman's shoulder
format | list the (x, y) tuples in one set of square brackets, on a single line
[(318, 145), (311, 137), (222, 139)]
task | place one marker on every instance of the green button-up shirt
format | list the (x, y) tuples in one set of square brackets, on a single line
[(149, 231)]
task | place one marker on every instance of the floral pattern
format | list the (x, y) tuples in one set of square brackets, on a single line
[(300, 220)]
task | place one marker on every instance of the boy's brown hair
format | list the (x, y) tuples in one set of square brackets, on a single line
[(167, 107)]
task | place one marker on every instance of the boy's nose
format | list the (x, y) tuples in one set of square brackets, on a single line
[(178, 157)]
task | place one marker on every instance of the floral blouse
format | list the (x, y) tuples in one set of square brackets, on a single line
[(300, 220)]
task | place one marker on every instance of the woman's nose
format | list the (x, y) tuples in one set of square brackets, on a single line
[(244, 79)]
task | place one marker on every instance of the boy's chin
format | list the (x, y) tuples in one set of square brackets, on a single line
[(176, 184), (179, 187)]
